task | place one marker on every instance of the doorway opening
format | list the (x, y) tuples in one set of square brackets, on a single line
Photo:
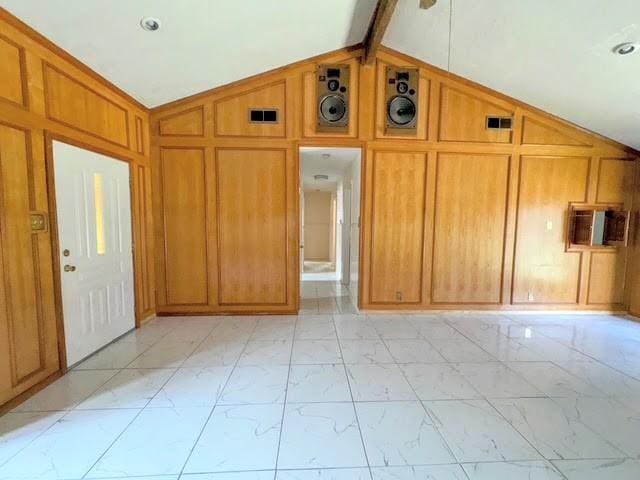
[(94, 239), (329, 229)]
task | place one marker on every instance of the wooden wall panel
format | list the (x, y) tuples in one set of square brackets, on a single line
[(511, 186), (231, 115), (44, 94), (470, 215), (615, 181), (185, 225), (27, 312), (544, 273), (606, 278), (70, 102), (12, 73), (252, 226), (397, 227), (463, 118), (183, 124), (535, 133)]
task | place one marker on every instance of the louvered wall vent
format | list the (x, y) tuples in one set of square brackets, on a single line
[(263, 115), (499, 123)]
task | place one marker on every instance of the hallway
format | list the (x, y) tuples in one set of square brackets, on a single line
[(320, 297)]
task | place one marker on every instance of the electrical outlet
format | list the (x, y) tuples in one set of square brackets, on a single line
[(399, 296), (530, 297)]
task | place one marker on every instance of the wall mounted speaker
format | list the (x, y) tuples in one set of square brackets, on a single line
[(333, 98), (401, 97)]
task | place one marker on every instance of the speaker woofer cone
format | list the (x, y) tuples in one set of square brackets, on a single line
[(401, 110), (333, 108)]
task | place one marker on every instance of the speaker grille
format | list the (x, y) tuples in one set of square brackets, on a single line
[(333, 108), (401, 110)]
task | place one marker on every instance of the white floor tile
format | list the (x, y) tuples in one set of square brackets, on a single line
[(413, 351), (495, 380), (535, 470), (215, 352), (325, 474), (66, 392), (355, 327), (256, 385), (430, 472), (378, 383), (365, 351), (164, 355), (553, 380), (554, 432), (438, 382), (599, 469), (192, 387), (114, 357), (238, 438), (320, 435), (128, 389), (158, 442), (460, 350), (318, 383), (475, 432), (315, 327), (17, 430), (255, 475), (316, 351), (400, 433), (69, 448), (276, 352)]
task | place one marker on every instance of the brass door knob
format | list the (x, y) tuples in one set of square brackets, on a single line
[(69, 268)]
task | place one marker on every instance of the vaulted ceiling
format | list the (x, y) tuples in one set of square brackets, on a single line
[(554, 55)]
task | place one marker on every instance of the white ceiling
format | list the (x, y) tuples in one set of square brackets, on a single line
[(314, 162), (202, 43), (555, 55)]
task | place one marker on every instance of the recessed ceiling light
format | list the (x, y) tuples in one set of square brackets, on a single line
[(626, 48), (321, 177), (150, 24)]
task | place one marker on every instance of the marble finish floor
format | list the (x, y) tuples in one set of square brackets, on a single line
[(324, 297), (342, 397)]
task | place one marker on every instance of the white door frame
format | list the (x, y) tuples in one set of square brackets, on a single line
[(49, 138)]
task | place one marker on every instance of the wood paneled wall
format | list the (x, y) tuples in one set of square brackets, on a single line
[(454, 216), (46, 94)]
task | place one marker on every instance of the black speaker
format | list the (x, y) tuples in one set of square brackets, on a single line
[(401, 96), (333, 98)]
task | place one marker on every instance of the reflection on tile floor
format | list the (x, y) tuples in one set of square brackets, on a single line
[(342, 396), (326, 297)]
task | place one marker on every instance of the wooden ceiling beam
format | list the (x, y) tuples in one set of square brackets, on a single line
[(377, 28), (424, 4)]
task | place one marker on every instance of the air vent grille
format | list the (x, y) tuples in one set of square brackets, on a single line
[(499, 123), (263, 115)]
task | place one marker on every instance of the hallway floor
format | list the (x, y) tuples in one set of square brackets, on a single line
[(342, 397), (326, 297)]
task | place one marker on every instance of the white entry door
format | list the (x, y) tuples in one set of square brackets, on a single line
[(96, 262)]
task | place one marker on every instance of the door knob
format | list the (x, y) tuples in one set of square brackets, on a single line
[(69, 268)]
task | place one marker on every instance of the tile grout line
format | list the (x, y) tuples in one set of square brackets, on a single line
[(286, 392), (353, 403), (73, 408), (148, 401), (221, 391)]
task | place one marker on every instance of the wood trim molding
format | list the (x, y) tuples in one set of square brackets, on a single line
[(45, 42)]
